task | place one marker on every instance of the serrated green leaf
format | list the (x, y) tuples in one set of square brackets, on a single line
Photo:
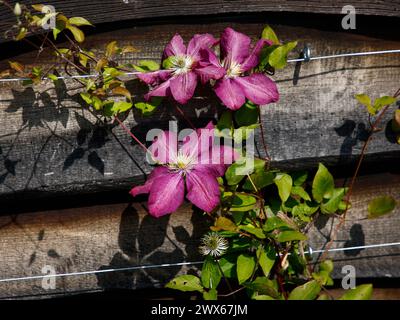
[(307, 291), (284, 183), (245, 266), (380, 206), (185, 283), (361, 292), (332, 205), (278, 57), (210, 274), (323, 184), (269, 34), (286, 236)]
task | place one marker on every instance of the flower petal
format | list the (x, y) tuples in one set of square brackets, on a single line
[(198, 42), (166, 194), (154, 77), (203, 189), (209, 66), (253, 58), (183, 86), (164, 148), (154, 175), (162, 90), (230, 93), (217, 159), (235, 46), (259, 89), (175, 47)]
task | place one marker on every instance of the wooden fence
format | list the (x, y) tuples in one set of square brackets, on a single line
[(64, 178)]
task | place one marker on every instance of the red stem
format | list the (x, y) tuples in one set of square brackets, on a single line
[(131, 134)]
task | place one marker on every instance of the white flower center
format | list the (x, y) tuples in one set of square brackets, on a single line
[(182, 162), (181, 64), (233, 69)]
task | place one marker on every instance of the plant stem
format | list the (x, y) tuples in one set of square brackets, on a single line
[(267, 157), (131, 134), (225, 278), (184, 116)]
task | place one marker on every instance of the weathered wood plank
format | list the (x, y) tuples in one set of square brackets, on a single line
[(121, 235), (117, 10), (49, 145)]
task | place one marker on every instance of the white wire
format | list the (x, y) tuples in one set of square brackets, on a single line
[(166, 265), (353, 54)]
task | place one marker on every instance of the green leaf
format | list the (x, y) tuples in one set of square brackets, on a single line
[(236, 172), (326, 265), (86, 97), (266, 258), (258, 232), (77, 33), (333, 204), (247, 114), (273, 223), (245, 267), (260, 179), (210, 274), (79, 21), (299, 177), (303, 209), (242, 202), (278, 57), (211, 294), (120, 106), (149, 107), (299, 191), (381, 206), (383, 102), (286, 236), (223, 223), (307, 291), (146, 66), (361, 292), (228, 265), (269, 34), (244, 132), (169, 62), (185, 283), (284, 183), (323, 184), (60, 26), (52, 77), (264, 286), (365, 100)]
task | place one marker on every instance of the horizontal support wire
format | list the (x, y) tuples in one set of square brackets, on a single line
[(307, 58), (166, 265)]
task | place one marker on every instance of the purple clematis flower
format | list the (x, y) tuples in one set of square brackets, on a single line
[(194, 167), (180, 79), (235, 84)]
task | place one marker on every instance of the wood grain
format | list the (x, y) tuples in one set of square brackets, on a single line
[(117, 10), (120, 235), (49, 145)]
